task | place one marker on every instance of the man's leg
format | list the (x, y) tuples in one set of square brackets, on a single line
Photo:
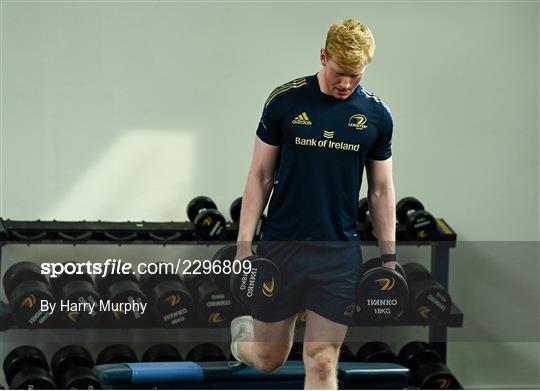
[(322, 341), (264, 346)]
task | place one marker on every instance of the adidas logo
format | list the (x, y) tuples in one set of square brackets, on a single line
[(301, 119)]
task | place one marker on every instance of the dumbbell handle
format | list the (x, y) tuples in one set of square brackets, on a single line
[(388, 259)]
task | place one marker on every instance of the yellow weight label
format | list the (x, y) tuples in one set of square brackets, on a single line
[(302, 317), (216, 318), (424, 312), (207, 221), (386, 284), (72, 315), (173, 300), (29, 302), (268, 288), (444, 383)]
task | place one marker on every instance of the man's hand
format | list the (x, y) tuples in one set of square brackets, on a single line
[(243, 250), (390, 264)]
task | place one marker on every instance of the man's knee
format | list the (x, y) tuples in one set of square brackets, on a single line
[(272, 356), (320, 359), (268, 363)]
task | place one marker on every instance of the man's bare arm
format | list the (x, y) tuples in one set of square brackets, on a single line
[(260, 182), (382, 201)]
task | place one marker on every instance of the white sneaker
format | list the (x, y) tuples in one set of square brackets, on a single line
[(240, 327)]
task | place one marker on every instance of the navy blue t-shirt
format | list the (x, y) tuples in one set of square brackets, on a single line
[(324, 144)]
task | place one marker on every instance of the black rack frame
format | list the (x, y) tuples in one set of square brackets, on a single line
[(177, 233)]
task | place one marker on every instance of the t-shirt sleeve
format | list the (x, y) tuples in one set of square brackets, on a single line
[(269, 129), (382, 148)]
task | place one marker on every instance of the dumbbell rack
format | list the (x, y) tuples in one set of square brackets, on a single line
[(177, 233)]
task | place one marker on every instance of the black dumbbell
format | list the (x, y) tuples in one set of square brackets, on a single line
[(208, 221), (363, 217), (215, 307), (419, 224), (206, 352), (26, 288), (26, 367), (121, 289), (376, 351), (6, 319), (255, 282), (161, 353), (225, 257), (234, 211), (116, 354), (428, 300), (382, 292), (235, 208), (72, 369), (297, 352), (77, 299), (427, 368), (170, 301), (346, 354)]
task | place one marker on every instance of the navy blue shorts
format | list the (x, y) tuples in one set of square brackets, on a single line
[(318, 278)]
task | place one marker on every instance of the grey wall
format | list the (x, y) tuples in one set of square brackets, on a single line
[(117, 110)]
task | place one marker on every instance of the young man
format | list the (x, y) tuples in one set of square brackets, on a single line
[(316, 135)]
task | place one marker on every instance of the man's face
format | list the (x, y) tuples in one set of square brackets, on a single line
[(340, 83)]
